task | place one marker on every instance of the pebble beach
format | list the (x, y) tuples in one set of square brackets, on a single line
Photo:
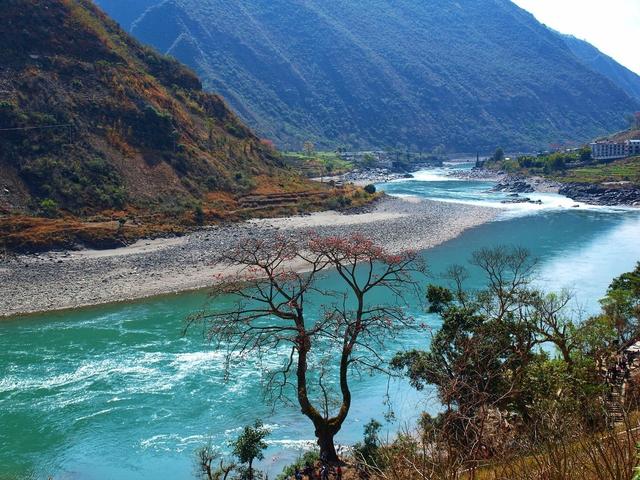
[(72, 279)]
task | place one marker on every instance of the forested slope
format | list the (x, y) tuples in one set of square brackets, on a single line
[(467, 74)]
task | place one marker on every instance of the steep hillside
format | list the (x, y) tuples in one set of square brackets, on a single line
[(467, 74), (604, 64), (631, 134), (92, 120), (96, 128)]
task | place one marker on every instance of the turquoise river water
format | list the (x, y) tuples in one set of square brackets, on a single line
[(116, 392)]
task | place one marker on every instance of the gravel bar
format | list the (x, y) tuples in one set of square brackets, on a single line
[(64, 280)]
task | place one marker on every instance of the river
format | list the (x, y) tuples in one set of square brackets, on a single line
[(116, 392)]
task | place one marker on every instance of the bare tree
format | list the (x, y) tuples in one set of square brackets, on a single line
[(309, 148), (205, 457), (552, 324), (508, 272), (271, 305)]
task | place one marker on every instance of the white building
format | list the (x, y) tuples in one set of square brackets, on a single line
[(608, 150)]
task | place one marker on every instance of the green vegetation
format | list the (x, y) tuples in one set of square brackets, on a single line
[(521, 380), (370, 189), (49, 208), (541, 164), (249, 446), (626, 170), (311, 457), (79, 186), (570, 167), (317, 164), (367, 451), (198, 215)]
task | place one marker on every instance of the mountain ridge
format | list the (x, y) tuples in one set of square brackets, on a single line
[(469, 75), (625, 78)]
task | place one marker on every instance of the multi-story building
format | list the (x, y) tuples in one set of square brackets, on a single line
[(608, 150), (633, 148)]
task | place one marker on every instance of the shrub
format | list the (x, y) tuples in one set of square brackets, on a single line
[(49, 208), (338, 202), (370, 189), (6, 105), (311, 457), (438, 298), (198, 215), (344, 201)]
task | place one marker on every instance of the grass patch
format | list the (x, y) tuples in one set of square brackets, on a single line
[(627, 170), (318, 164)]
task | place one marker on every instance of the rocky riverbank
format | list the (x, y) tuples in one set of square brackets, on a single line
[(478, 174), (60, 280), (611, 194), (362, 177)]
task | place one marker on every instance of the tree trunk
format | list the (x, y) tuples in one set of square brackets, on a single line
[(327, 449), (325, 429)]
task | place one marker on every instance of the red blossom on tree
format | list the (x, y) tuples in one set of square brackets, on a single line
[(272, 308)]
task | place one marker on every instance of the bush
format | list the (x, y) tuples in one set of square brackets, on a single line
[(311, 457), (6, 105), (370, 189), (338, 202), (198, 215), (49, 208)]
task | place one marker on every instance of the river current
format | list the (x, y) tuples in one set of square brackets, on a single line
[(116, 392)]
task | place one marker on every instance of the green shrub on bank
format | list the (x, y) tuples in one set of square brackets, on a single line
[(311, 457)]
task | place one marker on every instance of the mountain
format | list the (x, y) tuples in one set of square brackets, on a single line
[(631, 134), (92, 120), (128, 10), (466, 74), (607, 66)]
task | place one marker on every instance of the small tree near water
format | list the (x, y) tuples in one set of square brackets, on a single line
[(206, 456), (498, 156), (269, 310), (366, 451), (249, 446)]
